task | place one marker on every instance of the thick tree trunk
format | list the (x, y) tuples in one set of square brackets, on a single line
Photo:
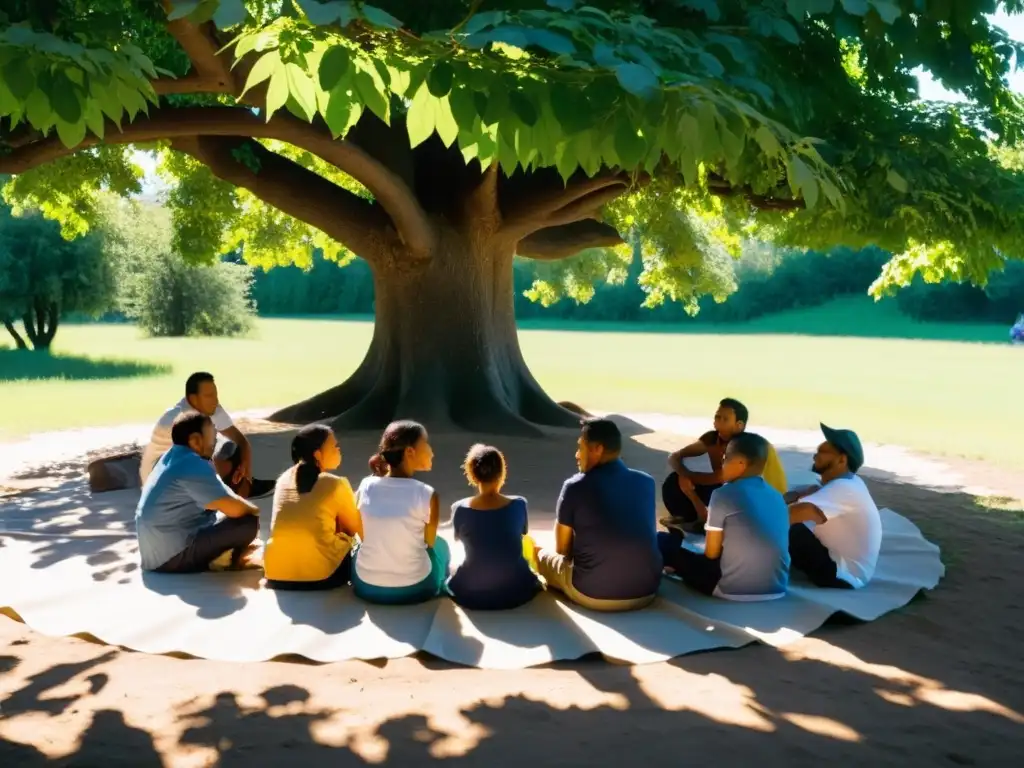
[(41, 324), (445, 350)]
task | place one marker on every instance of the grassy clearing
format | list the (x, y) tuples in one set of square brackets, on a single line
[(937, 393)]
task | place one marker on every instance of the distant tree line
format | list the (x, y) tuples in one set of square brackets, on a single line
[(768, 281)]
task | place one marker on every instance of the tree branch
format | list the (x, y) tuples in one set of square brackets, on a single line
[(586, 207), (391, 192), (360, 225), (721, 188), (535, 209), (211, 73), (555, 243)]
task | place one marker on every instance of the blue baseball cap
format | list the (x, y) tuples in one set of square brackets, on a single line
[(848, 443)]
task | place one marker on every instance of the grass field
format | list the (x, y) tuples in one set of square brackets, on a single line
[(938, 392)]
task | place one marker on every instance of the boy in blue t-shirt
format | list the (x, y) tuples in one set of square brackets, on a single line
[(746, 552)]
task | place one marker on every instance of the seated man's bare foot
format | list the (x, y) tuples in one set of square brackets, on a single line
[(222, 562)]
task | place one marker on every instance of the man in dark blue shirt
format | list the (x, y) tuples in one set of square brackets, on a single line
[(606, 554)]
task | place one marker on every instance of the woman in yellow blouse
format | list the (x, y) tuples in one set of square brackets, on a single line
[(315, 518)]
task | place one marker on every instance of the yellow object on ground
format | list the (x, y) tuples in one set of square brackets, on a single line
[(774, 474)]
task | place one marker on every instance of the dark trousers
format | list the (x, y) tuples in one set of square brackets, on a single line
[(808, 554), (678, 503), (230, 534), (696, 570), (341, 576), (255, 489)]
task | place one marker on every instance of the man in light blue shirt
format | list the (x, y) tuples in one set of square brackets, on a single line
[(746, 553), (177, 523)]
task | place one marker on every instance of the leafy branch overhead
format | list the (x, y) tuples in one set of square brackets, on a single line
[(294, 124)]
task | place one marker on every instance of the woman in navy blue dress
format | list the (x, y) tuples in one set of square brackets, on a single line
[(495, 574)]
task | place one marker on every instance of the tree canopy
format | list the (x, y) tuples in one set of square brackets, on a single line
[(707, 110)]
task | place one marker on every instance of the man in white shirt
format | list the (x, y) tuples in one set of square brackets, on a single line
[(836, 531), (235, 466)]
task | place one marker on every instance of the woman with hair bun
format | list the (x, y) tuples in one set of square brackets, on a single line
[(400, 560), (493, 529), (315, 517)]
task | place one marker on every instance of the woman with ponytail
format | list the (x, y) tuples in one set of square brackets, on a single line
[(400, 560), (315, 517)]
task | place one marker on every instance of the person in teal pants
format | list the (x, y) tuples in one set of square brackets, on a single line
[(401, 560)]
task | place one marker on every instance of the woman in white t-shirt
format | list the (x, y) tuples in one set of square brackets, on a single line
[(401, 560)]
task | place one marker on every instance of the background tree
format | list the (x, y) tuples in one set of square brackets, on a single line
[(436, 140), (44, 277), (163, 293)]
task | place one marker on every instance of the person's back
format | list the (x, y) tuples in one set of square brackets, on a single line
[(305, 544), (494, 574), (754, 519), (170, 510), (395, 512), (615, 553)]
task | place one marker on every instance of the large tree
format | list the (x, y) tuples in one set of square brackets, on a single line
[(437, 139)]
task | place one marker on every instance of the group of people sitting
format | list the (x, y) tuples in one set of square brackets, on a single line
[(196, 513)]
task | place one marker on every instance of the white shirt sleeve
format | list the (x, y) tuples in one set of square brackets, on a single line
[(221, 419), (718, 509), (833, 499)]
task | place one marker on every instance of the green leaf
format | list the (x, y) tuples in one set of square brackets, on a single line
[(896, 181), (380, 18), (322, 14), (497, 104), (767, 141), (371, 91), (551, 41), (334, 66), (342, 112), (887, 9), (570, 108), (300, 87), (565, 160), (19, 78), (481, 21), (439, 81), (637, 79), (64, 99), (523, 107), (229, 14), (562, 5), (463, 107), (444, 122), (277, 91), (420, 119), (94, 120), (182, 8), (802, 179), (267, 64), (786, 31), (37, 110), (71, 133), (629, 145), (855, 7)]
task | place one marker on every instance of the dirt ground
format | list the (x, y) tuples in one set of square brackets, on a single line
[(940, 682)]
